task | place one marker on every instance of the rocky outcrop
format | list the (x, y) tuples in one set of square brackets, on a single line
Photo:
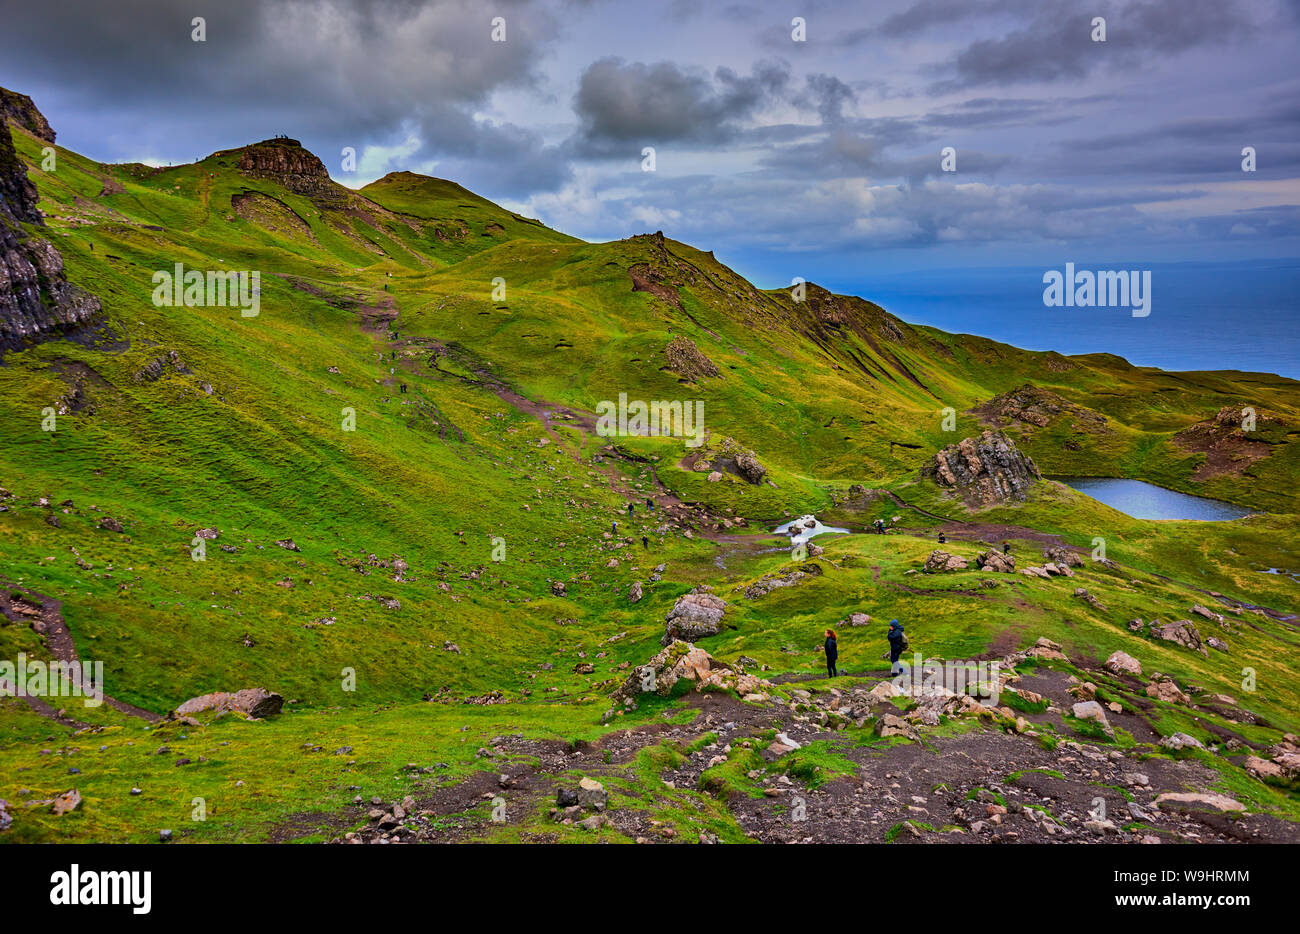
[(1059, 555), (731, 456), (252, 702), (984, 471), (37, 303), (1228, 449), (769, 582), (1033, 407), (997, 562), (694, 616), (680, 661), (285, 161), (686, 360), (18, 110)]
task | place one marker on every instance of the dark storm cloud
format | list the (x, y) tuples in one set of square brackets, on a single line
[(622, 104), (332, 72), (830, 145)]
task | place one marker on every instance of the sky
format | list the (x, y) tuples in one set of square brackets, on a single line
[(793, 139)]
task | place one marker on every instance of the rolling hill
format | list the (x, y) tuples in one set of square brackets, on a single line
[(386, 497)]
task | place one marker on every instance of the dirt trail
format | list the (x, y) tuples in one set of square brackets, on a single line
[(58, 639), (934, 788)]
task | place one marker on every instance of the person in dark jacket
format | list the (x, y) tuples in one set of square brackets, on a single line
[(832, 653), (895, 646), (943, 539)]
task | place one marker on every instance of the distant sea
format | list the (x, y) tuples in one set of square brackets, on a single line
[(1204, 316)]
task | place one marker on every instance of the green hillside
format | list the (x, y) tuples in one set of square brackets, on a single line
[(413, 408)]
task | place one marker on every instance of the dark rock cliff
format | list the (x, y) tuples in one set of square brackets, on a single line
[(37, 302)]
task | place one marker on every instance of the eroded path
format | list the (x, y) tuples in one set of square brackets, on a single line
[(45, 615)]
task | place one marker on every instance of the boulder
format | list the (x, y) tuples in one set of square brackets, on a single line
[(694, 616), (634, 592), (856, 619), (65, 803), (1123, 663), (1058, 554), (997, 561), (592, 795), (1206, 614), (892, 725), (1182, 632), (941, 561), (252, 702), (1164, 688), (1181, 741), (1091, 710), (1088, 598), (884, 691), (1198, 800), (1036, 572), (1046, 648)]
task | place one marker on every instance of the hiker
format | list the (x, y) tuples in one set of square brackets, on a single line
[(645, 543), (832, 653), (1006, 548), (880, 526), (897, 645), (630, 507), (943, 539), (650, 504), (613, 527)]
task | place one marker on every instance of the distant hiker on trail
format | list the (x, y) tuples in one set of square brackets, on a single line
[(613, 527), (832, 652), (645, 543), (630, 507), (897, 645), (1006, 548), (942, 538), (880, 526)]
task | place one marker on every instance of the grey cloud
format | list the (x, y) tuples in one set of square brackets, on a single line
[(1058, 43), (621, 104)]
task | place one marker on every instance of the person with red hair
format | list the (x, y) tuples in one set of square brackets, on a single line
[(832, 653)]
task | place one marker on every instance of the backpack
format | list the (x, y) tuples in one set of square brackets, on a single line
[(905, 644)]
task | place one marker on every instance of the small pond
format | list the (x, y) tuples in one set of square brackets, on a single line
[(1143, 500)]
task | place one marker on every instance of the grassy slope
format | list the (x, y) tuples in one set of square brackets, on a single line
[(433, 475)]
